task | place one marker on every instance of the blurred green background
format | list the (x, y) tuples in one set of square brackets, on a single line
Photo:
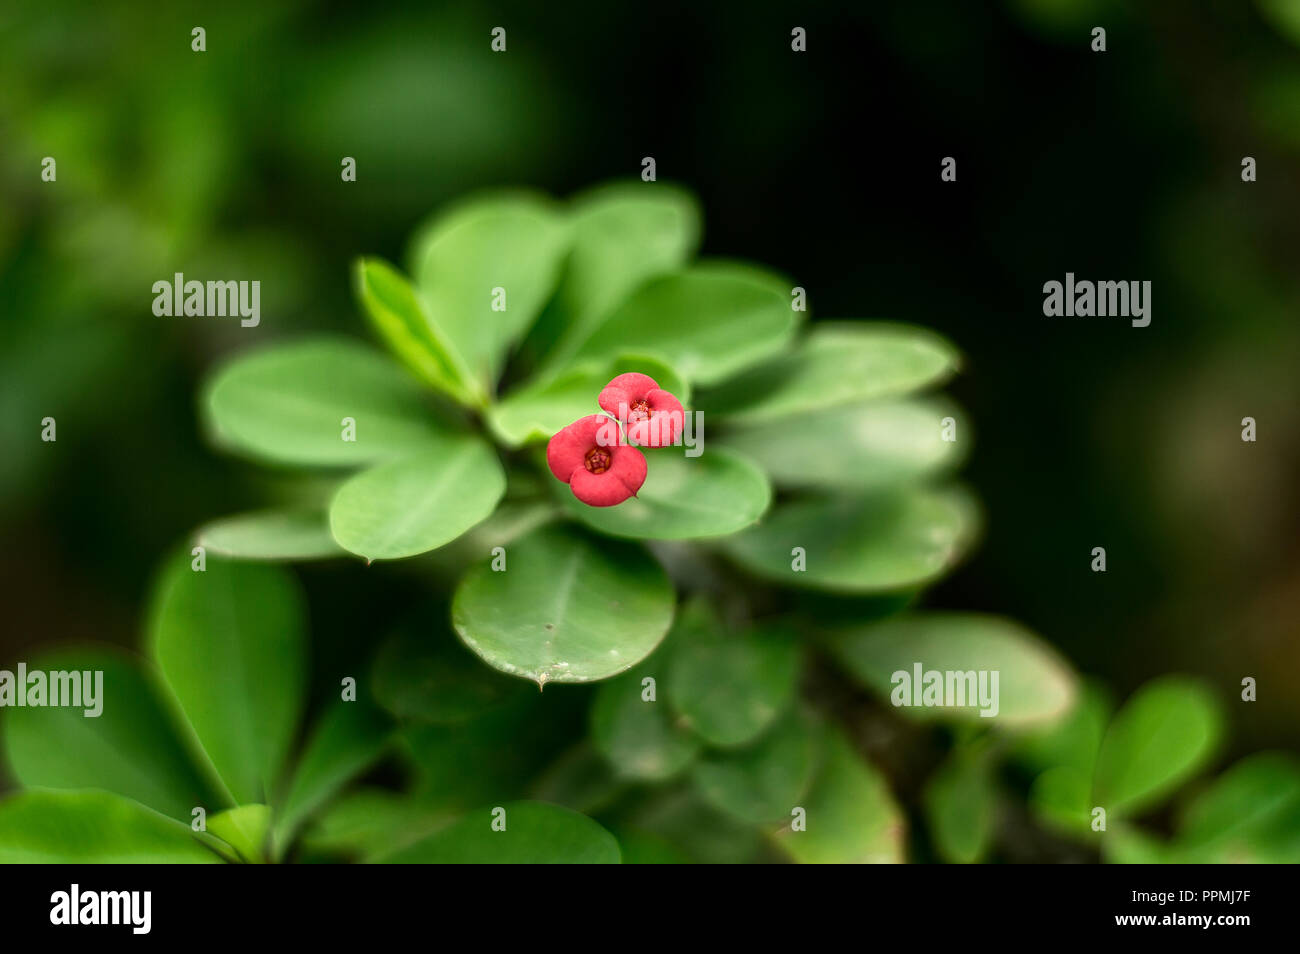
[(824, 165)]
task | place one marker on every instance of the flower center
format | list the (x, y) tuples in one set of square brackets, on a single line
[(598, 460), (639, 411)]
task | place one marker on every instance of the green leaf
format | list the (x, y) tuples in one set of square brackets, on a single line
[(541, 408), (1076, 739), (639, 736), (511, 241), (347, 740), (855, 447), (623, 234), (370, 823), (871, 544), (231, 646), (567, 609), (132, 747), (394, 308), (418, 503), (580, 779), (1167, 731), (731, 686), (708, 321), (1035, 685), (1127, 845), (851, 816), (1061, 797), (244, 829), (423, 675), (837, 363), (961, 805), (44, 827), (287, 404), (535, 833), (271, 535), (1249, 814), (683, 498), (763, 782)]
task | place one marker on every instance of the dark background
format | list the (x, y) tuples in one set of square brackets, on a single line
[(1122, 165)]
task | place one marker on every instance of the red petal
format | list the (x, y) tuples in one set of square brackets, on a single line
[(623, 479), (616, 400), (567, 450), (664, 425)]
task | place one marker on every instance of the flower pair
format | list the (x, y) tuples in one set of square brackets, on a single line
[(602, 466)]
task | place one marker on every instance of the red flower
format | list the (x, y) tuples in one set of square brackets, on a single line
[(598, 467), (652, 415)]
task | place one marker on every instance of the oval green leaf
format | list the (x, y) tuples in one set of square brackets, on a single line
[(1034, 686), (271, 535), (287, 404), (683, 498), (837, 363), (856, 447), (534, 833), (708, 321), (567, 609), (418, 503), (961, 805), (874, 543), (484, 269), (231, 645), (1163, 735)]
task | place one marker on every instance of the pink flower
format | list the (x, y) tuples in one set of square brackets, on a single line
[(652, 415), (590, 457)]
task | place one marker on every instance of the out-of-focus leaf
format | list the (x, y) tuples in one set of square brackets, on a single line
[(644, 848), (395, 310), (231, 645), (855, 447), (1250, 813), (244, 829), (837, 363), (132, 747), (541, 408), (1128, 845), (347, 740), (870, 544), (762, 782), (515, 242), (623, 233), (579, 779), (1061, 796), (408, 506), (567, 609), (731, 686), (1035, 686), (961, 805), (708, 321), (851, 815), (271, 535), (1163, 735), (371, 822), (423, 674), (638, 735), (683, 498), (1076, 739), (534, 833), (45, 827), (287, 404)]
